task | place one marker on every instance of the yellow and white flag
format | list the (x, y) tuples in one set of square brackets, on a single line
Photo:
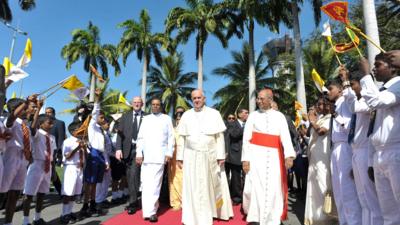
[(327, 29), (122, 100), (7, 65), (319, 83), (27, 56), (72, 83)]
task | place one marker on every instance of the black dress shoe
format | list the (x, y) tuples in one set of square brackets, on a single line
[(131, 210), (153, 218)]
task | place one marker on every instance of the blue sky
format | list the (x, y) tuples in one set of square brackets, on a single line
[(50, 24)]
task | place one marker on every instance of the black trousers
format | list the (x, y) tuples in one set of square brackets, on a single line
[(133, 179), (236, 181)]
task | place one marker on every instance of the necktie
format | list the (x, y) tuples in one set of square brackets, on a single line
[(352, 128), (48, 155), (372, 118), (26, 141), (135, 127)]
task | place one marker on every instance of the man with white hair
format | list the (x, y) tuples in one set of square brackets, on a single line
[(201, 150)]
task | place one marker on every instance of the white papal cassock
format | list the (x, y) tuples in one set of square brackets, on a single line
[(205, 193), (155, 141), (266, 203)]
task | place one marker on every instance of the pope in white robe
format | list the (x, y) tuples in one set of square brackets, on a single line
[(201, 149), (267, 152), (154, 149)]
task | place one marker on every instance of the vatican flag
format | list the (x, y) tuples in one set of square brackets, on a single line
[(27, 56), (319, 83), (72, 83), (122, 100)]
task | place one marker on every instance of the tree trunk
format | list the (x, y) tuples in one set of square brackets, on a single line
[(2, 89), (200, 66), (144, 81), (92, 87), (252, 70), (300, 84), (371, 29)]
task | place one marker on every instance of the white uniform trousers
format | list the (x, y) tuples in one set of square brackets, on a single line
[(102, 188), (151, 177), (344, 188), (371, 213), (16, 165), (387, 181), (37, 181), (73, 180)]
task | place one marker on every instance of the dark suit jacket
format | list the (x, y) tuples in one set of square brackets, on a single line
[(125, 136), (58, 131), (234, 134)]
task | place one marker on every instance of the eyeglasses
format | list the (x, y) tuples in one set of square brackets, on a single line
[(231, 118)]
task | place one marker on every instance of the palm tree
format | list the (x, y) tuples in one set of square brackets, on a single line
[(300, 84), (202, 17), (248, 12), (138, 37), (170, 84), (235, 95), (5, 11), (86, 45)]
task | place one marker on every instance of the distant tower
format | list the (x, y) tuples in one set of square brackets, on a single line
[(274, 48)]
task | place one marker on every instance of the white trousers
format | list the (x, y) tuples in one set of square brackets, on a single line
[(371, 213), (387, 181), (151, 177), (344, 188), (102, 188), (73, 180)]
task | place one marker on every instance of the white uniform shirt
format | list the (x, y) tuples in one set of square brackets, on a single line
[(341, 123), (95, 133), (39, 147), (17, 136), (155, 138), (362, 110), (268, 122), (69, 145), (386, 131)]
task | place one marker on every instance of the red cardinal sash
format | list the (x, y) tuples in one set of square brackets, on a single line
[(274, 141)]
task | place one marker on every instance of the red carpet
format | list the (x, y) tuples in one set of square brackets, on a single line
[(168, 217)]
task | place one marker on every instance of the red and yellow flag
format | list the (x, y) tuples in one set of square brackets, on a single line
[(344, 47), (96, 73), (337, 10)]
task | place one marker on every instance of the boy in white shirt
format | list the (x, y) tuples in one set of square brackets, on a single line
[(18, 152), (73, 151), (38, 177)]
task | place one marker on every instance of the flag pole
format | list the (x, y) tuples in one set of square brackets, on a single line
[(333, 48), (54, 91), (59, 83)]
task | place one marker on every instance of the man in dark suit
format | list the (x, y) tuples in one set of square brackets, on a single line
[(58, 131), (234, 137), (126, 150)]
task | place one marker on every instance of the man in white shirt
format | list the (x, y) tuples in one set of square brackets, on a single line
[(154, 149), (384, 131), (343, 185), (371, 213)]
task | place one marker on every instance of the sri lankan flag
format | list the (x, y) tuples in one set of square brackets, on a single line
[(344, 47), (337, 10)]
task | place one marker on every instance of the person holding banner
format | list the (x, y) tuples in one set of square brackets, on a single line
[(201, 152), (384, 131), (267, 153)]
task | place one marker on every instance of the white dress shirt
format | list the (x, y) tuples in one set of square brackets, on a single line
[(155, 139), (39, 147), (341, 123), (362, 110), (95, 133), (17, 136), (386, 131), (69, 145)]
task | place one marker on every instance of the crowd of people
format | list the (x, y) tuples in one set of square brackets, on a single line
[(344, 156)]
